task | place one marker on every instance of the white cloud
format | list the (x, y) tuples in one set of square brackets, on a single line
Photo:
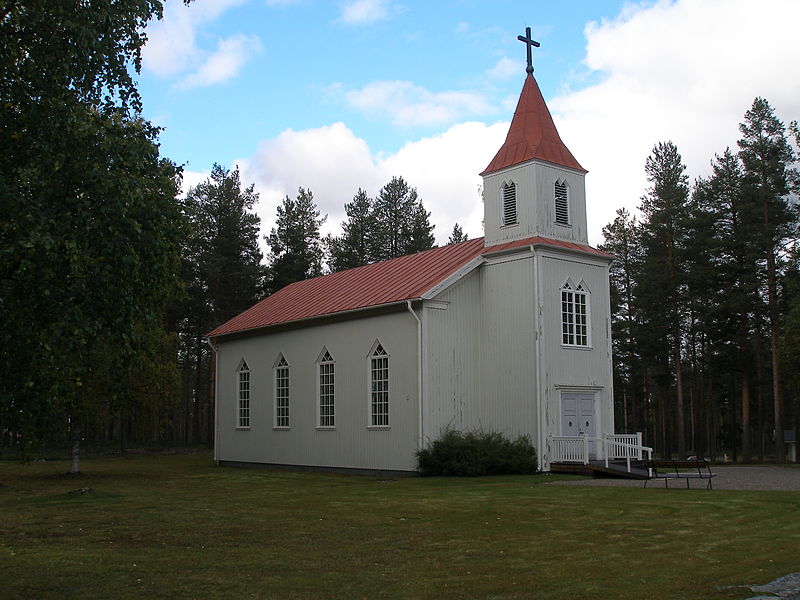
[(360, 12), (192, 179), (684, 71), (406, 104), (505, 68), (224, 63), (172, 48), (333, 162)]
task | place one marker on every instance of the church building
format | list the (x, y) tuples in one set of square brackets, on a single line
[(508, 333)]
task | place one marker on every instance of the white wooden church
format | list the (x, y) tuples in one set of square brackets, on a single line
[(510, 333)]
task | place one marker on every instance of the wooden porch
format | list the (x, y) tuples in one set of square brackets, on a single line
[(613, 455)]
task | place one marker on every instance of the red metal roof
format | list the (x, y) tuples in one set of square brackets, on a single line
[(532, 135), (386, 282)]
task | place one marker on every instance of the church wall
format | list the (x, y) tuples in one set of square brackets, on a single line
[(351, 444), (570, 368), (452, 337), (480, 361), (535, 203)]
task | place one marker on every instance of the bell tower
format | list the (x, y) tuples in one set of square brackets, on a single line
[(533, 186)]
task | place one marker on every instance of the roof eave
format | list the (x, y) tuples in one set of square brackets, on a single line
[(309, 321)]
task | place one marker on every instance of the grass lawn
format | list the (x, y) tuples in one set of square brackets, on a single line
[(179, 527)]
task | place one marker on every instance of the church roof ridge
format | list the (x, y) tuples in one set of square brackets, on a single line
[(532, 135), (377, 284)]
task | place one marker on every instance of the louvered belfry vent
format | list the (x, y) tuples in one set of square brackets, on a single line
[(509, 203), (562, 205)]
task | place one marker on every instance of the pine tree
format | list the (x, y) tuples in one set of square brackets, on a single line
[(223, 276), (723, 276), (352, 248), (768, 175), (421, 232), (621, 238), (401, 222), (458, 235), (664, 212), (296, 247)]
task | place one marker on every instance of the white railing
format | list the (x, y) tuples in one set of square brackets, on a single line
[(576, 449), (625, 445), (571, 449)]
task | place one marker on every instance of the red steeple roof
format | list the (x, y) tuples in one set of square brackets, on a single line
[(532, 135)]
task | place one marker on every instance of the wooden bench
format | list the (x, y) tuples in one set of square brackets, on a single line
[(679, 469)]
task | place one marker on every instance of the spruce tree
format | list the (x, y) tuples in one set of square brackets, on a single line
[(352, 248), (458, 235), (421, 232), (296, 246), (768, 176)]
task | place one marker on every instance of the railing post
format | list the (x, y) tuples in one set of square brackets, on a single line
[(585, 450), (639, 444)]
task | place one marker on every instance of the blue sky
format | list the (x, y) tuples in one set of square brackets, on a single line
[(337, 95)]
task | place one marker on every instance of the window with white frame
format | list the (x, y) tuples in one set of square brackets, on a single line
[(243, 376), (282, 393), (379, 387), (509, 216), (327, 413), (562, 203), (574, 316)]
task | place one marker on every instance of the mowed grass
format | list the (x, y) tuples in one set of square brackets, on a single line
[(179, 527)]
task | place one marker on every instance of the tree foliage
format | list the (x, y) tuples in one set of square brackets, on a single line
[(457, 236), (393, 224), (89, 227), (354, 247), (402, 225), (703, 308), (296, 247)]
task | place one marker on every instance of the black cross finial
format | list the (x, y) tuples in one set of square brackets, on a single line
[(529, 43)]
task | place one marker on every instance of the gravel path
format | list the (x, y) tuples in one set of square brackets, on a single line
[(766, 477)]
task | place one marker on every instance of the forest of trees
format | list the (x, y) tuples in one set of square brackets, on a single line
[(705, 295), (109, 279)]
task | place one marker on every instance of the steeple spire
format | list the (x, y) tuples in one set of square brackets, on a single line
[(532, 133)]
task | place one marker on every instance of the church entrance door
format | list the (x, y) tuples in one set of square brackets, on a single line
[(577, 416)]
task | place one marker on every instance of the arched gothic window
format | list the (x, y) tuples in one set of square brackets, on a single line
[(379, 387), (327, 396), (282, 393), (243, 395), (574, 315)]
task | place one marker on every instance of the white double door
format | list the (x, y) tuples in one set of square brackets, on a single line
[(578, 416)]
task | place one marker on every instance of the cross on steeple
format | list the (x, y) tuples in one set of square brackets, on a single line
[(529, 42)]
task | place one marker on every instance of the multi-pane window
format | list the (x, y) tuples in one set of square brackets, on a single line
[(574, 319), (562, 203), (379, 387), (327, 416), (244, 395), (282, 393), (509, 216)]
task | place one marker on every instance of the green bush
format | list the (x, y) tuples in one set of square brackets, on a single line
[(477, 453)]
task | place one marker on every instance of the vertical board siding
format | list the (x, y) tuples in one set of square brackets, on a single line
[(535, 203), (351, 444), (576, 368), (481, 363)]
